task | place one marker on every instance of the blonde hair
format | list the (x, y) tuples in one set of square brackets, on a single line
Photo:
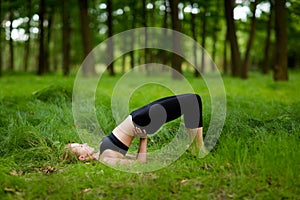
[(69, 154)]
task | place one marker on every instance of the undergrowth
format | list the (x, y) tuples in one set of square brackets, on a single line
[(256, 157)]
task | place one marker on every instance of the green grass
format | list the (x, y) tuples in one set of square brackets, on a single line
[(257, 155)]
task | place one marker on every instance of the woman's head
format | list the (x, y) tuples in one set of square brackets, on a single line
[(81, 151)]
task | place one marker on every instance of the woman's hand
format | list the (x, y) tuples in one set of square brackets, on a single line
[(139, 133)]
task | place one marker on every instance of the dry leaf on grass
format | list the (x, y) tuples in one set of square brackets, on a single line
[(184, 181), (47, 169), (16, 173), (87, 190)]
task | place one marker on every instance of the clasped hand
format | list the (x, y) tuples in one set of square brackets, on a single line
[(140, 133)]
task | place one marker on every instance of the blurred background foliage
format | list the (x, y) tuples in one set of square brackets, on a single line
[(44, 36)]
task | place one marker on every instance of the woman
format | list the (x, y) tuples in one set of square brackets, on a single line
[(145, 120)]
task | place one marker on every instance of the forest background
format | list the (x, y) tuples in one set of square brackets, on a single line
[(45, 36)]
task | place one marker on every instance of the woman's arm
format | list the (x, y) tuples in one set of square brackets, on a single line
[(142, 152)]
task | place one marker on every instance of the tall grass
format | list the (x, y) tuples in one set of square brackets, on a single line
[(256, 157)]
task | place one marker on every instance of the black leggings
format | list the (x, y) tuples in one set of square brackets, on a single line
[(152, 116)]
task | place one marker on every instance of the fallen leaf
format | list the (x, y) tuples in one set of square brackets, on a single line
[(16, 173), (184, 181), (86, 190), (11, 190), (47, 170)]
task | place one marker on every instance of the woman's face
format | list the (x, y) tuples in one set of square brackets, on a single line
[(83, 151)]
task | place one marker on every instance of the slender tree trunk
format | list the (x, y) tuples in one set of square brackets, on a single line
[(152, 22), (246, 65), (27, 31), (225, 63), (110, 43), (131, 54), (280, 68), (88, 69), (66, 43), (1, 67), (144, 22), (176, 40), (214, 47), (266, 62), (203, 38), (215, 36), (123, 63), (41, 65), (48, 38), (235, 53), (11, 45), (194, 36), (163, 54), (56, 52)]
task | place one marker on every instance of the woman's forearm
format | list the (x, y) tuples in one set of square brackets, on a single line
[(142, 153)]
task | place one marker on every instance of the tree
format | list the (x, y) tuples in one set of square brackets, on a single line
[(280, 68), (11, 45), (41, 66), (194, 36), (110, 43), (27, 31), (1, 38), (88, 68), (203, 35), (66, 43), (235, 53), (245, 67), (176, 40), (225, 63), (216, 29), (132, 37), (266, 61), (50, 15), (144, 23), (163, 54)]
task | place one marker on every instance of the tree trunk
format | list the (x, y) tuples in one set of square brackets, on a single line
[(246, 65), (27, 31), (266, 62), (225, 63), (203, 35), (194, 35), (41, 65), (235, 53), (144, 23), (280, 68), (56, 51), (176, 40), (110, 43), (163, 54), (47, 44), (131, 54), (123, 63), (216, 29), (11, 46), (1, 67), (66, 43), (88, 68)]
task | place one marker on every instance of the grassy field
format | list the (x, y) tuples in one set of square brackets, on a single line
[(257, 155)]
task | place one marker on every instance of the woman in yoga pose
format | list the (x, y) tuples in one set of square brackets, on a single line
[(145, 120)]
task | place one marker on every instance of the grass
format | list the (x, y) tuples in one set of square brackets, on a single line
[(256, 157)]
